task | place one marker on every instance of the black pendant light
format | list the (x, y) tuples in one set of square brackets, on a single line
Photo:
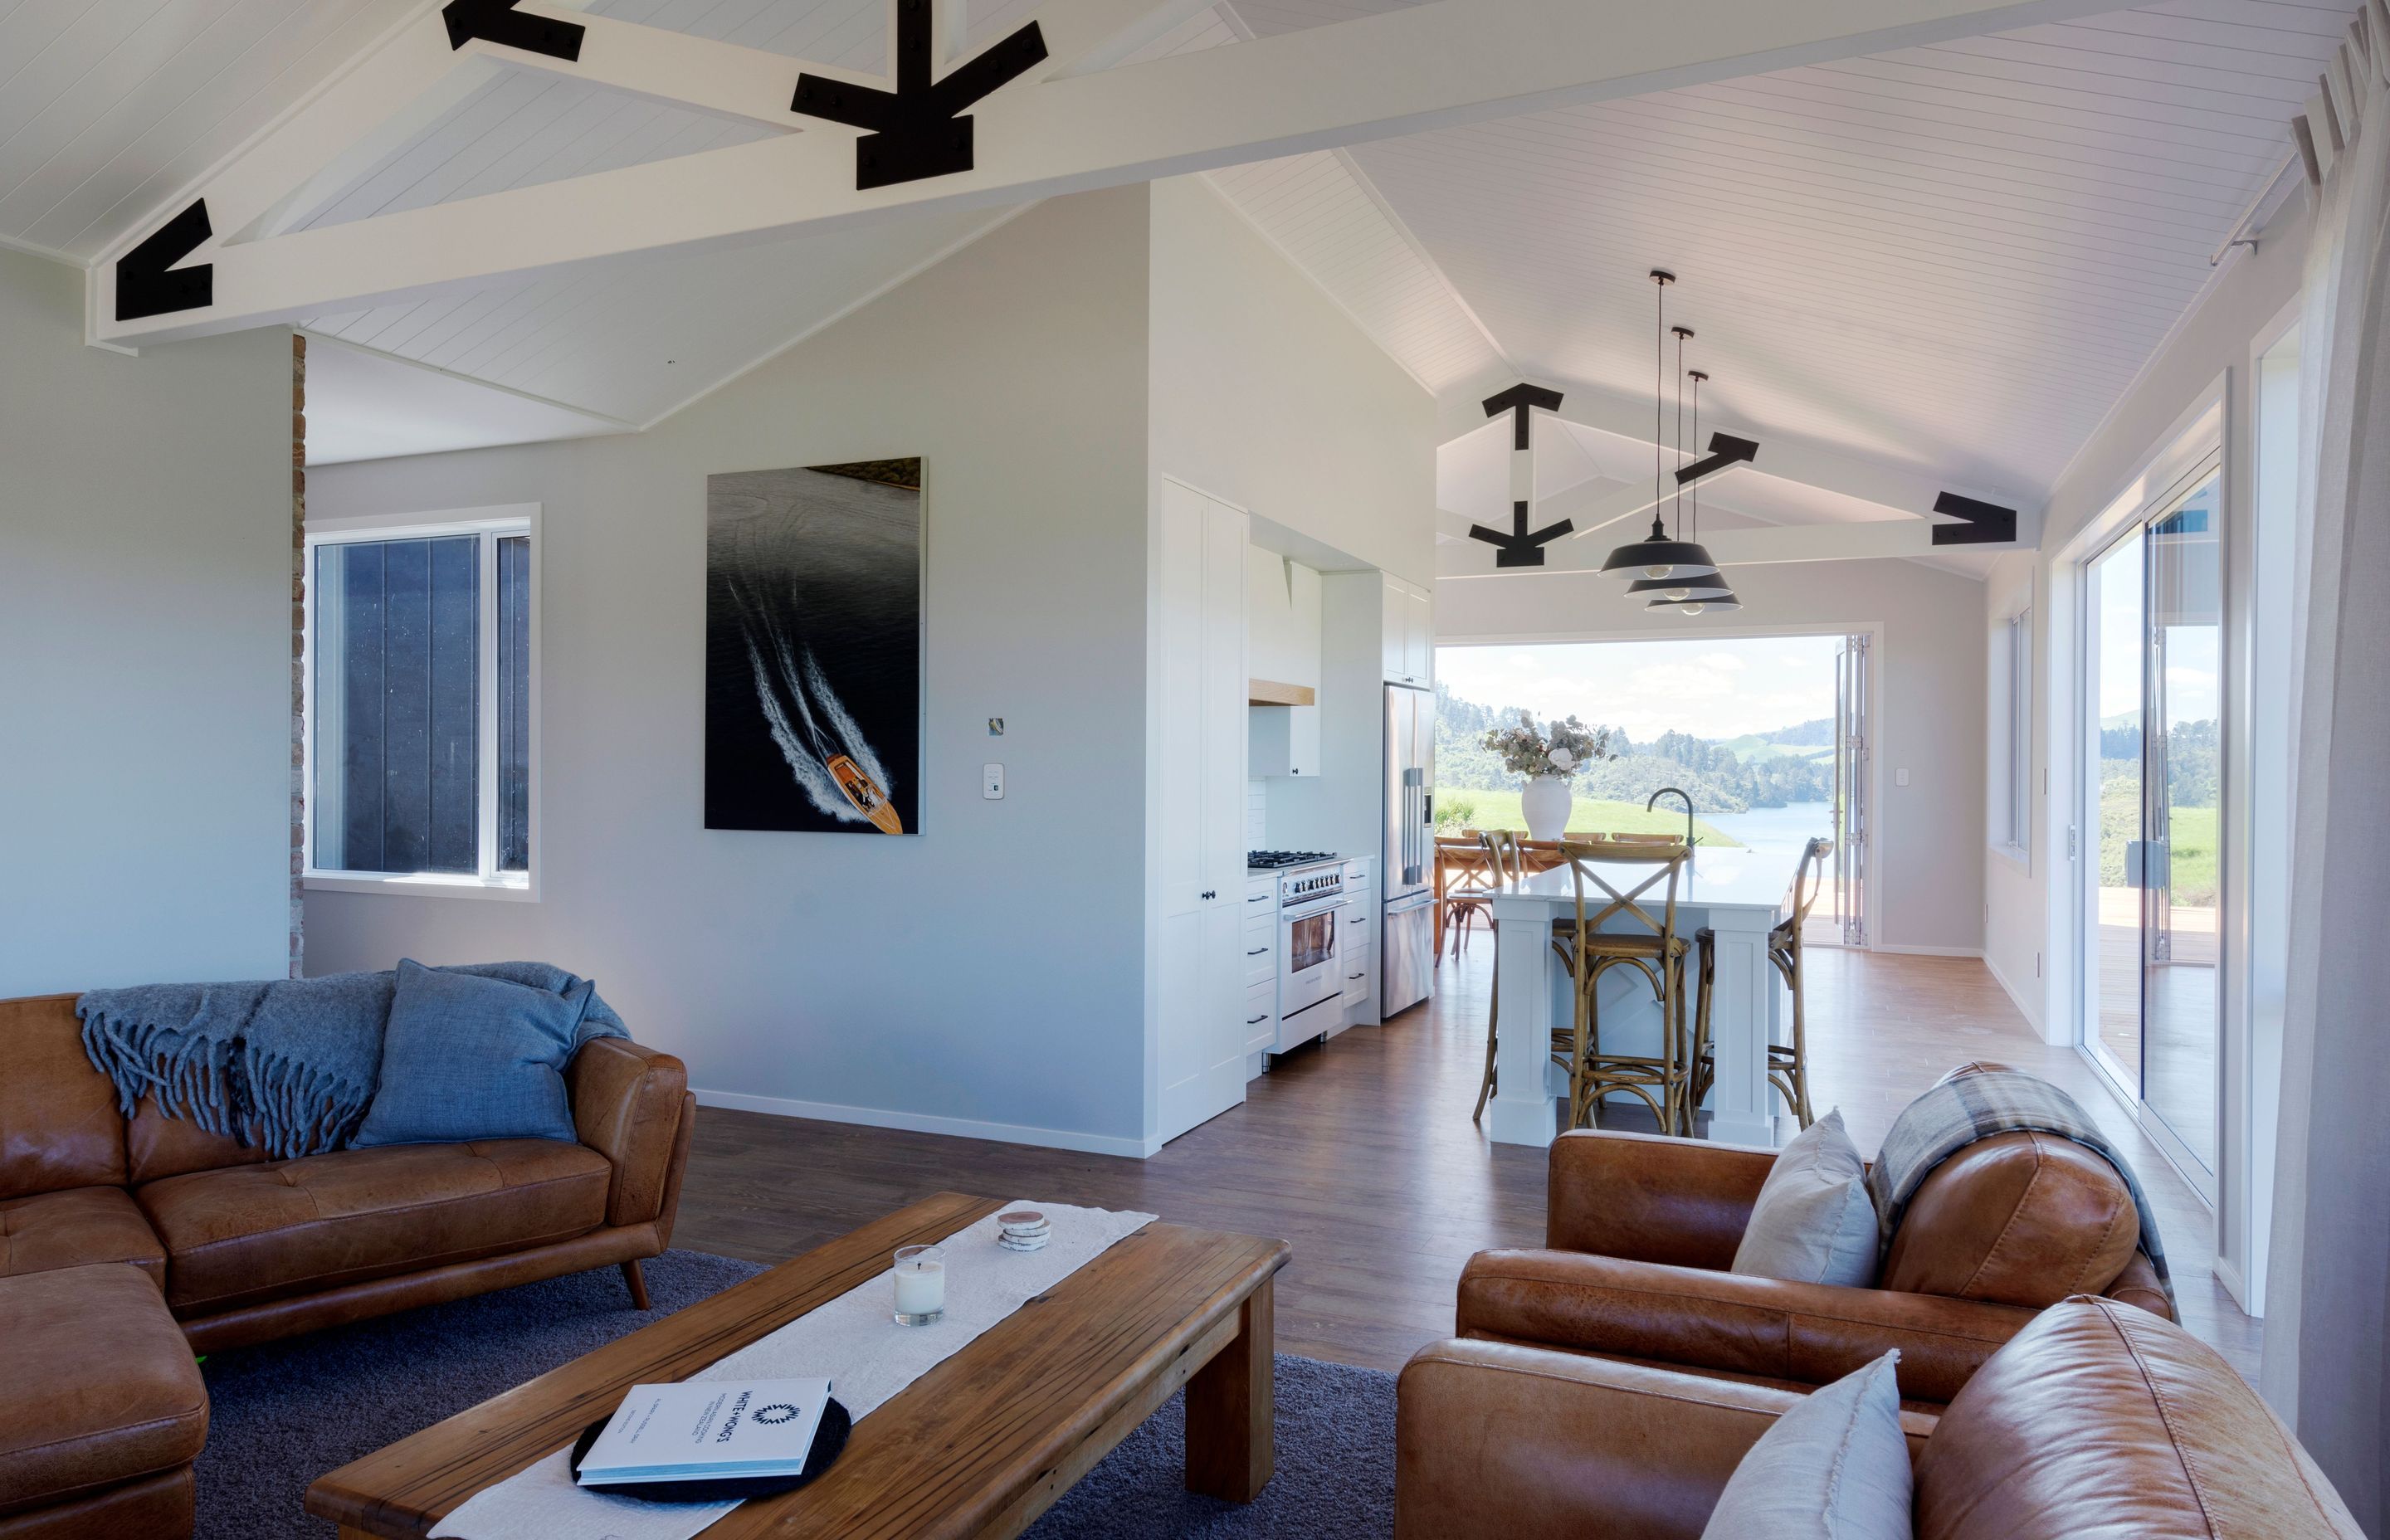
[(1656, 555), (1698, 595)]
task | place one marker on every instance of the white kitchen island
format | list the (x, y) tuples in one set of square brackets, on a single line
[(1733, 891)]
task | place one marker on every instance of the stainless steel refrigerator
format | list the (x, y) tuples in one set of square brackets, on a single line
[(1407, 930)]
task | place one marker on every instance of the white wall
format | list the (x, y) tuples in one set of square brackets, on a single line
[(1268, 396), (2031, 911), (2013, 939), (1929, 835), (2034, 911), (986, 976), (144, 650)]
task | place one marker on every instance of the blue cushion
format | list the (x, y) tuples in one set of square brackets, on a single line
[(467, 1056)]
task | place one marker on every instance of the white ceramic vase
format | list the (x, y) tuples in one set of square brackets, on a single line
[(1546, 804)]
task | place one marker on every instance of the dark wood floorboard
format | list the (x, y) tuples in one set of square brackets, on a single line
[(1362, 1155)]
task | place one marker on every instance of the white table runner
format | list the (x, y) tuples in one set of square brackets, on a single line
[(853, 1338)]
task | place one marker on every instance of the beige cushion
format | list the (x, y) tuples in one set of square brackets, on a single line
[(1814, 1222), (1834, 1468)]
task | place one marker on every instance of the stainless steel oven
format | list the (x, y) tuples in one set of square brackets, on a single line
[(1311, 951)]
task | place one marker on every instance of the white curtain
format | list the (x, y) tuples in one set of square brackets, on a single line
[(2329, 1283)]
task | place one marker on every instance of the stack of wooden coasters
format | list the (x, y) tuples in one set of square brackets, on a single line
[(1022, 1230)]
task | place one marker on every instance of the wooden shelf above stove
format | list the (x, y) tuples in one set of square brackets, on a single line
[(1270, 692)]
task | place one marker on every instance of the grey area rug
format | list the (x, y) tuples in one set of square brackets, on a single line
[(285, 1413)]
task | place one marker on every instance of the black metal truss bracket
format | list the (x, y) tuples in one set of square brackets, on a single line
[(1519, 546), (919, 129), (498, 21), (1986, 524), (143, 286), (1725, 450), (1518, 401)]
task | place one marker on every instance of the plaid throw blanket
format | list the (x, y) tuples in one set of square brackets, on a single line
[(290, 1064), (1955, 1113)]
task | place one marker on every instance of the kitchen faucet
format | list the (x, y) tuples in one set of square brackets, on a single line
[(1689, 808)]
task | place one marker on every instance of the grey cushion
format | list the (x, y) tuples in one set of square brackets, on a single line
[(467, 1057), (1814, 1222), (1834, 1468)]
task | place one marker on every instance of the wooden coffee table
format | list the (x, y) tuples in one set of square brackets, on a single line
[(980, 1445)]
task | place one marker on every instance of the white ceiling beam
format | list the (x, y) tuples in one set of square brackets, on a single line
[(1042, 134), (1761, 546)]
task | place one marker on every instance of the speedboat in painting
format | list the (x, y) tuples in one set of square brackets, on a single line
[(865, 795)]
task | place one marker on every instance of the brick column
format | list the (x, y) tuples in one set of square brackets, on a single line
[(298, 649)]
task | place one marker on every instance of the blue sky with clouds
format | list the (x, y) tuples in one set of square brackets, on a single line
[(1710, 687)]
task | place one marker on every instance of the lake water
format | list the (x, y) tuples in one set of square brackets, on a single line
[(1776, 830)]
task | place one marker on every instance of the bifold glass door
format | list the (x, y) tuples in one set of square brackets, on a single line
[(1847, 923), (2151, 802)]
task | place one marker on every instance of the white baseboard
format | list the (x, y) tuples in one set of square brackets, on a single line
[(923, 1123), (2228, 1272), (2026, 1006), (1924, 951)]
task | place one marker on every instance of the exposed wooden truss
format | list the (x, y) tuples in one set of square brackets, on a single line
[(1073, 119)]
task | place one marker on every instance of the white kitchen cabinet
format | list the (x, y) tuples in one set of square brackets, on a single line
[(1283, 741), (1197, 708), (1407, 632)]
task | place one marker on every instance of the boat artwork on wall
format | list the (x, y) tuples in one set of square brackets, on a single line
[(813, 648)]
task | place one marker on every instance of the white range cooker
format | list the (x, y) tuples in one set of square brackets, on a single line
[(1310, 942)]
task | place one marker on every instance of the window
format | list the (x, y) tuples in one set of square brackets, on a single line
[(418, 685), (2012, 676)]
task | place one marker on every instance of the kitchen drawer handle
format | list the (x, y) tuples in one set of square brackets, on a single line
[(1350, 977), (1258, 898), (1256, 1020), (1257, 951)]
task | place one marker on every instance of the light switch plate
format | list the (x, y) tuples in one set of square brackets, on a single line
[(991, 782), (1900, 777)]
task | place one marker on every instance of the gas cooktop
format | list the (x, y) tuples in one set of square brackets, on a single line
[(1256, 860)]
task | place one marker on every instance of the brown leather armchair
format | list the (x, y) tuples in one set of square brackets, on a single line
[(2097, 1418), (1641, 1231)]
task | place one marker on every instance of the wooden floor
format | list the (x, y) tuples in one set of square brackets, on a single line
[(1363, 1156)]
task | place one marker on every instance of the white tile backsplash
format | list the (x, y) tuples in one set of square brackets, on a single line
[(1257, 815)]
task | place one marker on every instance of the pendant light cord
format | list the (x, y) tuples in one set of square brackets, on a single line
[(1677, 493), (1697, 443), (1659, 398)]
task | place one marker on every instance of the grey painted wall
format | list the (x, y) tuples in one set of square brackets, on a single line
[(988, 974), (144, 649)]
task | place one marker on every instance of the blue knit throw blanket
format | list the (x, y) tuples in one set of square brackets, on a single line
[(288, 1064)]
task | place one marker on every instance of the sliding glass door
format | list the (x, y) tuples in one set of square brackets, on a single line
[(2150, 783)]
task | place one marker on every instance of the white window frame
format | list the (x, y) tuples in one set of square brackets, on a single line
[(512, 519), (2016, 838)]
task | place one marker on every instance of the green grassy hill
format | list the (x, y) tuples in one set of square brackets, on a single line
[(1456, 810)]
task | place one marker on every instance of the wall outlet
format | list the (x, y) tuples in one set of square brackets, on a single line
[(1900, 777), (991, 782)]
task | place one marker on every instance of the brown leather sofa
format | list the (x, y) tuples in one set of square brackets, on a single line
[(2097, 1420), (128, 1245), (1641, 1231)]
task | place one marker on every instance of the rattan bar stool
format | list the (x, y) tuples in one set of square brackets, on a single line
[(1649, 944), (1788, 1064)]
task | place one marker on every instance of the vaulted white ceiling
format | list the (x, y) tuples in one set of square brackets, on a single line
[(1951, 259)]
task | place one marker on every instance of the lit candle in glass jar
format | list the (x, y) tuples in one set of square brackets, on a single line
[(920, 1285)]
